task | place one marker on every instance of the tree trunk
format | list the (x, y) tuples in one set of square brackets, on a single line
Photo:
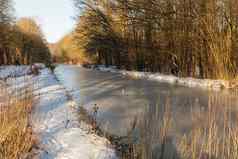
[(1, 57)]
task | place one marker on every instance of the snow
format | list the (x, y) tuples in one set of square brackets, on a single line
[(13, 81), (13, 71), (55, 119), (188, 82)]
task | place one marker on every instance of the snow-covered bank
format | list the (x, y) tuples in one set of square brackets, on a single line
[(55, 120), (12, 71), (188, 82)]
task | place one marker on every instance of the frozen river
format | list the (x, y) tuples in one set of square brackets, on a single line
[(121, 99)]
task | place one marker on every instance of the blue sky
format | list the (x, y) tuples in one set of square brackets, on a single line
[(54, 16)]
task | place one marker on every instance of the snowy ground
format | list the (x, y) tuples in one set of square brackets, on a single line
[(55, 120), (189, 82), (12, 71)]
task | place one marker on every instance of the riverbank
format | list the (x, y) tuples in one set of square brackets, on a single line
[(171, 79), (165, 117), (55, 120)]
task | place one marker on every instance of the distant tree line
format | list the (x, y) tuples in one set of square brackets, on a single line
[(21, 42), (67, 51), (196, 38)]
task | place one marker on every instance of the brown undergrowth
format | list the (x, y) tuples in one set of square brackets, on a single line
[(16, 135)]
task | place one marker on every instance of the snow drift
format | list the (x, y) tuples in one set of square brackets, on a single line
[(188, 82)]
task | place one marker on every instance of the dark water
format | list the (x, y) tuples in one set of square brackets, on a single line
[(122, 99)]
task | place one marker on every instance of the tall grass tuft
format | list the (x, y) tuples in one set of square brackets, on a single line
[(216, 135), (16, 136), (213, 133)]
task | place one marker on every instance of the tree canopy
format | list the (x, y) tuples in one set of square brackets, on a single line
[(184, 37), (20, 41)]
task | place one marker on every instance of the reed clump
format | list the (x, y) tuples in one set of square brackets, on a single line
[(212, 134), (16, 135)]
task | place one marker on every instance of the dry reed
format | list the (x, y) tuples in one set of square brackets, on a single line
[(16, 136), (213, 134)]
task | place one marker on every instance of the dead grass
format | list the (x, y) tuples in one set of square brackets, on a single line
[(213, 134), (216, 137), (16, 136)]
